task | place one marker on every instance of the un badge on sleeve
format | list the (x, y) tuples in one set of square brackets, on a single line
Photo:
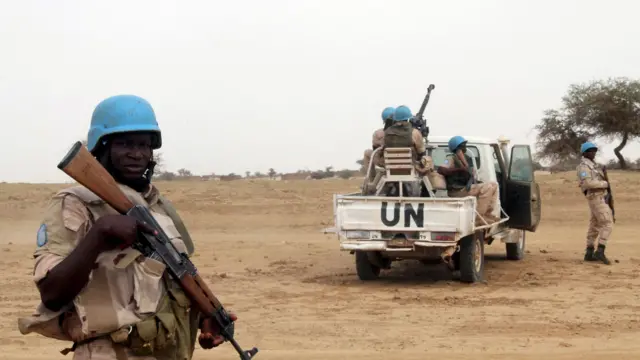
[(41, 239), (583, 174)]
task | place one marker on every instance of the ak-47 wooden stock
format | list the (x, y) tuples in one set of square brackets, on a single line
[(86, 170)]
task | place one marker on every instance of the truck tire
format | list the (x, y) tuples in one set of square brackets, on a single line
[(515, 251), (364, 268), (472, 258)]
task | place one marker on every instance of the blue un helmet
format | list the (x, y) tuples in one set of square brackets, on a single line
[(587, 146), (455, 142), (387, 113), (120, 114), (402, 113)]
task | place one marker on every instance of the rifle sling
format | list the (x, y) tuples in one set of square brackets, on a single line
[(168, 207)]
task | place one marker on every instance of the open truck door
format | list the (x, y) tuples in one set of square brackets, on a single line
[(523, 203)]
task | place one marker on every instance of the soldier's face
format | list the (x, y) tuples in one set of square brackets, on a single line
[(131, 154), (590, 154)]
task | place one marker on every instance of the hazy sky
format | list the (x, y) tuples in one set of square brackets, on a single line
[(248, 85)]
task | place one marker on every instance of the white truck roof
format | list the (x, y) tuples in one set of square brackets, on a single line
[(471, 139)]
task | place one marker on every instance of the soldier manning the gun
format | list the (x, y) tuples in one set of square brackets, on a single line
[(96, 290), (377, 140), (460, 176), (402, 134), (594, 184)]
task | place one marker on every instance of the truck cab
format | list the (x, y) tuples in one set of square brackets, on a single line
[(380, 229)]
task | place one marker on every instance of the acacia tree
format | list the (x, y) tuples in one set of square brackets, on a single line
[(560, 136), (159, 160), (607, 109), (360, 162)]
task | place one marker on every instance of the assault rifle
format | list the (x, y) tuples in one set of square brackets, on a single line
[(609, 198), (418, 121), (86, 170)]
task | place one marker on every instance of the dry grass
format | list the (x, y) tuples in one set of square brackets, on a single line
[(260, 247)]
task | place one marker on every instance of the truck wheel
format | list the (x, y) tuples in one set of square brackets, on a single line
[(365, 269), (472, 258), (515, 251)]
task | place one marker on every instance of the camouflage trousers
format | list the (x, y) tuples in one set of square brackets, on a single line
[(601, 220), (105, 349), (487, 195)]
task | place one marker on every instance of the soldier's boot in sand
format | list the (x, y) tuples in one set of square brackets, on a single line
[(588, 255), (599, 255)]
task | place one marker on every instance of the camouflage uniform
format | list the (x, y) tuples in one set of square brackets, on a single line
[(377, 141), (130, 308), (402, 134), (486, 193), (592, 184)]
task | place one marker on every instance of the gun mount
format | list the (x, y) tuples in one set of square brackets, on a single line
[(418, 121)]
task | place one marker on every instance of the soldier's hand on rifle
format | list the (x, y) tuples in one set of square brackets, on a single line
[(210, 336), (118, 231), (469, 183)]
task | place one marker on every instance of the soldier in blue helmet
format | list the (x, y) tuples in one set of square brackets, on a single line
[(377, 140), (461, 182), (84, 265), (402, 134), (594, 187)]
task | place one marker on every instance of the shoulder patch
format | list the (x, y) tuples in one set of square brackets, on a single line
[(41, 238), (583, 174), (446, 161)]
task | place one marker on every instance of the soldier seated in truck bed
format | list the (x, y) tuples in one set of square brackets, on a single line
[(401, 134), (459, 185)]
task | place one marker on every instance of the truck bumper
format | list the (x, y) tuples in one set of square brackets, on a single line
[(371, 245)]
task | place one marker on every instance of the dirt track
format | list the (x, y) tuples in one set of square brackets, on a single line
[(260, 247)]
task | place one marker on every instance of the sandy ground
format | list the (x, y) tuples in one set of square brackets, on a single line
[(260, 247)]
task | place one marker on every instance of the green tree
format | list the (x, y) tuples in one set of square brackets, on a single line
[(159, 160), (360, 162), (560, 137), (184, 173), (606, 109)]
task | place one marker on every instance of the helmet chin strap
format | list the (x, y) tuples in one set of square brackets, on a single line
[(103, 155)]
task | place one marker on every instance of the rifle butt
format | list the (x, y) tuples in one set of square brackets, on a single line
[(80, 165)]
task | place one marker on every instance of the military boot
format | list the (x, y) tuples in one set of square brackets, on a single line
[(588, 255), (599, 255)]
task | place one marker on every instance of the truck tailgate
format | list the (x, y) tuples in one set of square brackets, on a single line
[(377, 213)]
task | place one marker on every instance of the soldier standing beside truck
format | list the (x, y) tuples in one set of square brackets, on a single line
[(594, 187)]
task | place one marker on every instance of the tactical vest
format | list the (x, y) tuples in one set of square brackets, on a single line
[(158, 322), (458, 181), (399, 135)]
